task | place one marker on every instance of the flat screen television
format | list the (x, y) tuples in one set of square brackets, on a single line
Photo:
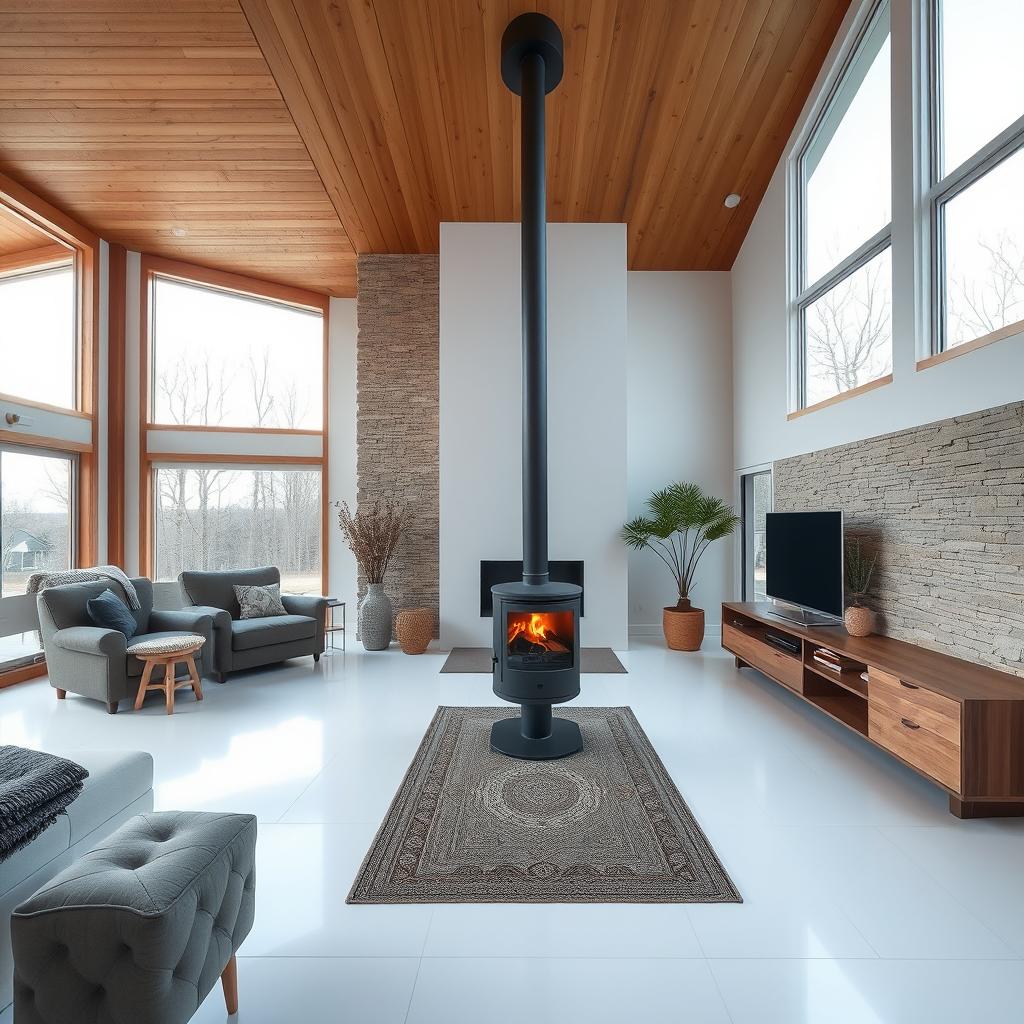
[(804, 563)]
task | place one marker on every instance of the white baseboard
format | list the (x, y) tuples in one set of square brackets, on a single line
[(654, 629)]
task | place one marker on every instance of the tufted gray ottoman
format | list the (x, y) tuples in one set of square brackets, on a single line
[(139, 930)]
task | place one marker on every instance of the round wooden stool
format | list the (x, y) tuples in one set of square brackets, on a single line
[(168, 652)]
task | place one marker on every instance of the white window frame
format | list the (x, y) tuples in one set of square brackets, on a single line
[(945, 187), (803, 296)]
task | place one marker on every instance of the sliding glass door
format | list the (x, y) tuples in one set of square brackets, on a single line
[(36, 535), (756, 490)]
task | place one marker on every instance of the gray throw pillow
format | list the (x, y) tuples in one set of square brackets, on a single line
[(260, 602)]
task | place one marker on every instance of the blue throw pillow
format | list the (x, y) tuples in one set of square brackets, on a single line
[(110, 612)]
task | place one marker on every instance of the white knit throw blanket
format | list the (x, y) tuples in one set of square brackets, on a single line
[(41, 580)]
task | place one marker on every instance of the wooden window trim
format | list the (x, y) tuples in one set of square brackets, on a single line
[(1014, 330), (861, 389), (84, 247), (154, 266)]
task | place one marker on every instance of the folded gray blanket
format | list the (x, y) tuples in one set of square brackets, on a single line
[(34, 788)]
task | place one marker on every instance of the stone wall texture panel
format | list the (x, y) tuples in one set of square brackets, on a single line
[(397, 365), (943, 505)]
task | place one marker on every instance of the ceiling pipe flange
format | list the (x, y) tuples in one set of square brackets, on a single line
[(531, 33)]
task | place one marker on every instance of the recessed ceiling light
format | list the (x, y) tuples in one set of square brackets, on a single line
[(732, 200), (179, 232)]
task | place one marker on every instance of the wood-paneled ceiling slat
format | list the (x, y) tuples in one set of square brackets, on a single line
[(272, 130)]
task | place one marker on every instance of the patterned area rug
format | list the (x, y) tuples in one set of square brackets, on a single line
[(606, 825)]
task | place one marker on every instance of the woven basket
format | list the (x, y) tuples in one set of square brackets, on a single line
[(414, 628), (684, 631)]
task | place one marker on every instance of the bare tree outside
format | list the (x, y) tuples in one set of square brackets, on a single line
[(214, 517), (849, 332), (990, 298)]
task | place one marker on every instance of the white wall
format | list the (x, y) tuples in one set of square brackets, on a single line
[(978, 380), (679, 421), (341, 450), (480, 417)]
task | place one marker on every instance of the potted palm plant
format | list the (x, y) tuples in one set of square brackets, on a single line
[(682, 523)]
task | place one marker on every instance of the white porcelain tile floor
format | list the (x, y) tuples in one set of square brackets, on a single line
[(865, 902)]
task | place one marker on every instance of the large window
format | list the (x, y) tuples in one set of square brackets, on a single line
[(843, 295), (224, 359), (222, 517), (233, 438), (37, 314), (977, 154), (49, 311)]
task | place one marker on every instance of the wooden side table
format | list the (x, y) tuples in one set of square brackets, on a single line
[(168, 652)]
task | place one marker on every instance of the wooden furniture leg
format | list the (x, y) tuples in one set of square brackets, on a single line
[(197, 686), (229, 979), (61, 694), (143, 684), (169, 667)]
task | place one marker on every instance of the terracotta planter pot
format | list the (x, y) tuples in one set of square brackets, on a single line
[(414, 628), (684, 630), (860, 621)]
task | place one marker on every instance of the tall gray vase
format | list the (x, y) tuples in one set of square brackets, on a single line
[(375, 618)]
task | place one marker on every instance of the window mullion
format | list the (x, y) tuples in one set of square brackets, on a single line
[(852, 263)]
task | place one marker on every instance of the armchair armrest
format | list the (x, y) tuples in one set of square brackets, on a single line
[(313, 606), (305, 604), (107, 643), (195, 620)]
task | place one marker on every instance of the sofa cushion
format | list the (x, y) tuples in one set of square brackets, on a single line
[(135, 665), (276, 629), (217, 589), (109, 612), (116, 779)]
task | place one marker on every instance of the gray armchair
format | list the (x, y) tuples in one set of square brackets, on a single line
[(93, 662), (246, 643)]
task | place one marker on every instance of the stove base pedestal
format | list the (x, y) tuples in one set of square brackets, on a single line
[(536, 735)]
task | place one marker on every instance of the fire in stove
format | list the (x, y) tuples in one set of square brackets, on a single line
[(540, 632)]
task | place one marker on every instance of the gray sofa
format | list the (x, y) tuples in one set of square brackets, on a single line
[(247, 643), (93, 662), (120, 785)]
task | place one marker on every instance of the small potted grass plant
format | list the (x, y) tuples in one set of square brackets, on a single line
[(681, 524), (860, 567)]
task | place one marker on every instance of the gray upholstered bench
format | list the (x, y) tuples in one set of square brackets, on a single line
[(139, 930)]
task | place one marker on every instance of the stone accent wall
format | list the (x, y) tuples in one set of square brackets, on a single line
[(397, 412), (943, 505)]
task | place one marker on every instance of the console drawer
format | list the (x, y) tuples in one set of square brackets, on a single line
[(929, 751), (930, 710), (783, 668)]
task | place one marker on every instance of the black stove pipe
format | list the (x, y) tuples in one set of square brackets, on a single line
[(535, 327), (531, 66)]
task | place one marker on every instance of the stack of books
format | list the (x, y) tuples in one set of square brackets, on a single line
[(829, 659)]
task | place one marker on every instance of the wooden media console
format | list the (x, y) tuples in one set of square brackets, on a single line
[(958, 724)]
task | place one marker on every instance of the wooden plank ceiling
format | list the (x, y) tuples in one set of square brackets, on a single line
[(284, 136), (147, 118), (18, 236)]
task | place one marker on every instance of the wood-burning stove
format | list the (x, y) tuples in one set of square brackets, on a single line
[(536, 622)]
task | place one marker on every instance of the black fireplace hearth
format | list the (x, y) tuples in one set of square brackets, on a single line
[(536, 621)]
